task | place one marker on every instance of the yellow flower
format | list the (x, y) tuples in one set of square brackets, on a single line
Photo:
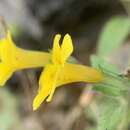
[(59, 72), (13, 58)]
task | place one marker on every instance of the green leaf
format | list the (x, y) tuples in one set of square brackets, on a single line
[(110, 89), (111, 115), (113, 83), (113, 35), (103, 65)]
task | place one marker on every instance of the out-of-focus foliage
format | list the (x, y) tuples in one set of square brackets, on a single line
[(101, 63), (8, 111), (113, 109), (111, 115), (113, 35), (113, 84), (40, 19), (15, 29)]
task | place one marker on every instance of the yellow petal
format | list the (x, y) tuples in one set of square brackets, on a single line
[(30, 59), (47, 85), (48, 79), (20, 58), (7, 41), (66, 48), (39, 99), (56, 53), (9, 38), (51, 93), (5, 73), (7, 48), (78, 73)]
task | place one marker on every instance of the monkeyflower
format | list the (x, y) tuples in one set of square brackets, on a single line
[(59, 72), (14, 58)]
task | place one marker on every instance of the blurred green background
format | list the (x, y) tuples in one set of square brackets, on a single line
[(33, 24)]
